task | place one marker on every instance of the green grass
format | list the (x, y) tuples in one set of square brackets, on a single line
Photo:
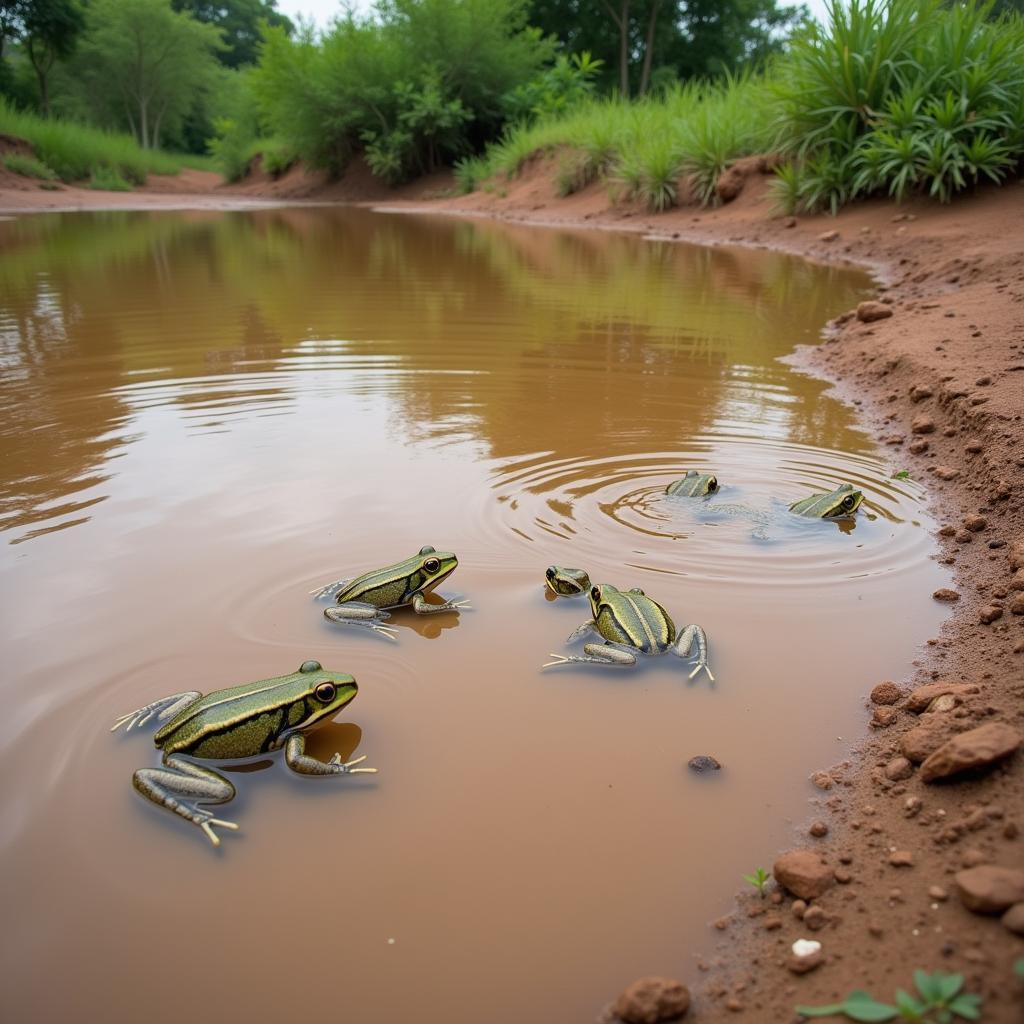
[(29, 167), (75, 151), (106, 180)]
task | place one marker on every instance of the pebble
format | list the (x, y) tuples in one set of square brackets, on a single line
[(822, 780), (815, 918), (818, 829), (653, 999), (975, 446), (803, 873), (772, 923), (901, 859), (842, 876), (946, 472), (963, 537), (703, 763), (828, 236), (883, 717), (870, 311), (945, 594), (806, 956), (1017, 580), (922, 424), (886, 693), (919, 392), (1013, 919), (988, 889), (1017, 605), (899, 768), (920, 742), (799, 908), (936, 892), (989, 614), (975, 523), (922, 696), (976, 748), (919, 445)]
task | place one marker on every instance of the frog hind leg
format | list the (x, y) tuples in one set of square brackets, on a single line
[(179, 785), (361, 613), (421, 606), (165, 708), (301, 763), (321, 593), (683, 646), (595, 654)]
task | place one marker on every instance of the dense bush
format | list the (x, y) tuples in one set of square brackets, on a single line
[(901, 97)]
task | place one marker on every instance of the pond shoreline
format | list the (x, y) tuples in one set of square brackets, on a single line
[(940, 383)]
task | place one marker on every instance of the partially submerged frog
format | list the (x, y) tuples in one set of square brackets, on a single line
[(362, 601), (239, 721), (838, 504), (566, 582), (693, 485), (628, 622)]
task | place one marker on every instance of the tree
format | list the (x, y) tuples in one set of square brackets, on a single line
[(48, 30), (240, 22), (147, 61)]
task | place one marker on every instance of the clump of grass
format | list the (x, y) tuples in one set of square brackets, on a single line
[(277, 155), (938, 999), (74, 150), (29, 167), (759, 879), (107, 180)]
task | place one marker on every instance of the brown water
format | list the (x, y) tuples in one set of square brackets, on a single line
[(205, 415)]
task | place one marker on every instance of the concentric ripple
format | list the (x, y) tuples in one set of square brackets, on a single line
[(586, 509)]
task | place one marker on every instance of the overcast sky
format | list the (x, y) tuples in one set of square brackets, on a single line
[(321, 11)]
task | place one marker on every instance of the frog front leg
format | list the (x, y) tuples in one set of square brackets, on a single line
[(360, 613), (594, 653), (683, 645), (179, 780), (299, 761), (421, 606)]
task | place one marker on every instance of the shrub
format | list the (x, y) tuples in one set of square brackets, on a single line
[(108, 180), (28, 166)]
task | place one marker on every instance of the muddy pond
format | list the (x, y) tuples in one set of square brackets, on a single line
[(205, 415)]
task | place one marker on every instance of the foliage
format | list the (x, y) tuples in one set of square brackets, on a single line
[(74, 151), (29, 167), (939, 999), (758, 880), (901, 97), (48, 30), (901, 474), (564, 85), (108, 180), (145, 64), (239, 22)]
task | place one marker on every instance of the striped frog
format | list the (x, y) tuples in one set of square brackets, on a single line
[(364, 600), (628, 621), (565, 582), (240, 721), (693, 485), (838, 504)]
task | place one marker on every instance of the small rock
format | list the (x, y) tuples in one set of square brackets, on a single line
[(989, 614), (789, 222), (734, 1004), (828, 236), (901, 859), (806, 955), (972, 857), (945, 594), (1017, 580), (883, 717), (944, 703), (919, 392), (974, 446), (989, 889), (1002, 491), (947, 531), (918, 446), (1013, 919), (946, 472), (899, 768), (922, 424), (975, 523), (1016, 554), (772, 923), (815, 918), (818, 829), (799, 908), (803, 873), (920, 742), (868, 312), (822, 780), (1017, 605), (703, 763), (976, 748), (650, 1000), (842, 876), (885, 693), (936, 892), (963, 537), (922, 696)]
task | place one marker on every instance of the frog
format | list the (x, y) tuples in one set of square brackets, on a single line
[(364, 601), (237, 722), (841, 503), (693, 485), (566, 582), (629, 622)]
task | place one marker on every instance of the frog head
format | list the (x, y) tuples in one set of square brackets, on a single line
[(430, 568), (325, 694), (838, 504), (693, 485), (566, 582)]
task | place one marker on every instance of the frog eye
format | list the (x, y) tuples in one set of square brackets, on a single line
[(325, 692), (712, 484), (431, 565), (849, 501), (595, 593), (550, 572)]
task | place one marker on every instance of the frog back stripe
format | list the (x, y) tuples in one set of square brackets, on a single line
[(257, 735), (645, 637), (816, 505)]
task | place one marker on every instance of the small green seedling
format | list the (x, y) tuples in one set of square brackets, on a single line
[(758, 880), (938, 1001), (902, 474)]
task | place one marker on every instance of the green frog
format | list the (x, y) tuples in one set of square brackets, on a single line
[(239, 721), (693, 485), (566, 582), (628, 621), (363, 600), (838, 504)]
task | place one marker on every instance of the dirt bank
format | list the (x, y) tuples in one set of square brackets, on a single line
[(939, 377)]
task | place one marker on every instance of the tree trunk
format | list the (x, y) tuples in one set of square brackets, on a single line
[(624, 51), (645, 74), (143, 125), (42, 62)]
